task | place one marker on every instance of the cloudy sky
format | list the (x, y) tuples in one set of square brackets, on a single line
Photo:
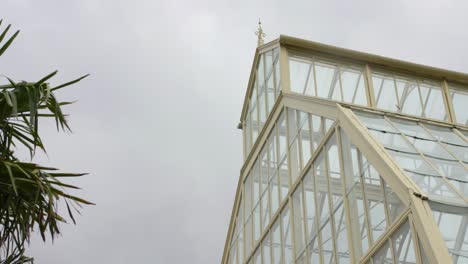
[(155, 123)]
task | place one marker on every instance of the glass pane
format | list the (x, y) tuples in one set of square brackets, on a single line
[(298, 220), (334, 171), (433, 101), (309, 200), (257, 259), (375, 200), (459, 99), (395, 206), (409, 97), (284, 179), (287, 241), (265, 210), (274, 194), (256, 221), (266, 249), (233, 254), (383, 255), (277, 70), (403, 246), (276, 251), (299, 71), (327, 243), (322, 188), (384, 91), (305, 138), (341, 237), (352, 83), (327, 79)]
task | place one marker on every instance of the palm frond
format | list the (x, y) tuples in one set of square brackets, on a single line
[(30, 194)]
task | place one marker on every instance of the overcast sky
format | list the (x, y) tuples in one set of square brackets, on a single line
[(155, 123)]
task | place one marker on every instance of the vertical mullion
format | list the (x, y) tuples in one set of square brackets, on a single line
[(364, 199), (273, 72), (330, 204), (416, 245), (448, 103), (284, 69), (315, 78), (304, 220), (423, 113), (340, 82), (307, 79), (299, 142), (288, 144), (345, 200), (317, 213), (400, 107), (369, 86), (265, 88)]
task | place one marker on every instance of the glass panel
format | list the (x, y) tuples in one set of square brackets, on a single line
[(334, 171), (317, 131), (266, 249), (459, 99), (284, 179), (428, 176), (262, 109), (305, 139), (276, 243), (265, 210), (352, 83), (274, 194), (276, 65), (322, 188), (256, 182), (257, 259), (383, 255), (233, 254), (384, 91), (248, 236), (298, 220), (395, 206), (327, 243), (287, 241), (375, 200), (313, 250), (433, 101), (403, 246), (309, 200), (327, 80), (355, 196), (341, 237), (299, 71), (450, 140), (452, 222), (409, 97), (256, 222)]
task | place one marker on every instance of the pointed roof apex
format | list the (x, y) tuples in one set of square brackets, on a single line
[(260, 34)]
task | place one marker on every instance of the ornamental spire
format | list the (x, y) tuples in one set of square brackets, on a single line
[(260, 34)]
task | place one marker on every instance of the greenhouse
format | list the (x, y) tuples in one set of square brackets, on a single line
[(350, 158)]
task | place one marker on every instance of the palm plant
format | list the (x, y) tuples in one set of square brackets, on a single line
[(30, 194)]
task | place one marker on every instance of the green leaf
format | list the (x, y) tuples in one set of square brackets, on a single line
[(8, 43)]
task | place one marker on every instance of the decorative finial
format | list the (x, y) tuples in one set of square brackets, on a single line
[(260, 34)]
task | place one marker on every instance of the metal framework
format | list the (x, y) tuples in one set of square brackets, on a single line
[(350, 158)]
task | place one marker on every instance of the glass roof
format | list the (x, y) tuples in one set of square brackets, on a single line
[(434, 157)]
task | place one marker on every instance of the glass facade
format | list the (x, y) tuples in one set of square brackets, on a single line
[(350, 175), (265, 90)]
